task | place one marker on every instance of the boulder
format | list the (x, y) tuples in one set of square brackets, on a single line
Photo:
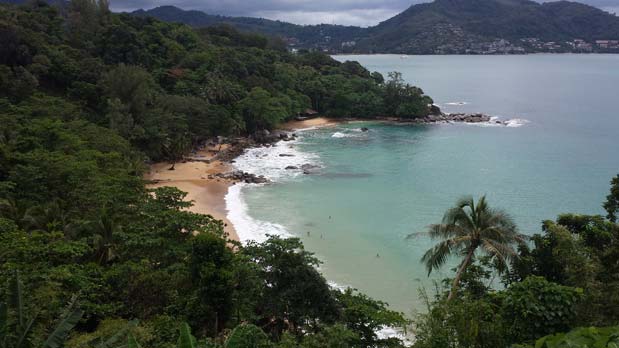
[(435, 110), (309, 168)]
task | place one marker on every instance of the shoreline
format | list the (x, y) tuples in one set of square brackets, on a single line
[(192, 176), (202, 175), (206, 175)]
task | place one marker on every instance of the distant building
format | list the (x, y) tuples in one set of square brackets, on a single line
[(608, 44)]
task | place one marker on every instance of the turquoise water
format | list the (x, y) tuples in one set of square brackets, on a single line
[(375, 188)]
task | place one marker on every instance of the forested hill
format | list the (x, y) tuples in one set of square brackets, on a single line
[(308, 35), (450, 24), (87, 97), (443, 26), (165, 86)]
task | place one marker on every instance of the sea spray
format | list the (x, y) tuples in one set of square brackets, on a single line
[(272, 161), (496, 122), (248, 228)]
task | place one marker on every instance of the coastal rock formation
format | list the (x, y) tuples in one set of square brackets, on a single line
[(309, 168), (448, 118), (240, 176), (456, 117), (266, 137)]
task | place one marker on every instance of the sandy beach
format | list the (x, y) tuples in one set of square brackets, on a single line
[(312, 122), (192, 176)]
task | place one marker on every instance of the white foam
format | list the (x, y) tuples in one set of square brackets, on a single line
[(349, 133), (248, 228), (496, 122), (336, 286), (342, 135), (389, 332), (516, 122), (268, 162)]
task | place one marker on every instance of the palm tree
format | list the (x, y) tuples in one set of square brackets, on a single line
[(104, 229), (468, 227), (50, 217)]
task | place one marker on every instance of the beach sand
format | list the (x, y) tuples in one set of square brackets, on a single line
[(208, 195), (313, 122)]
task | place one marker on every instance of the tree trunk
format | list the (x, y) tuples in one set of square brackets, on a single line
[(461, 269)]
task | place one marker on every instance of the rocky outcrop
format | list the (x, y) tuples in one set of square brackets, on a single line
[(446, 118), (236, 148), (309, 168), (267, 137), (456, 117), (435, 110), (240, 176)]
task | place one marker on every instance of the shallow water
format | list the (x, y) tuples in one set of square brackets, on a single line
[(375, 188)]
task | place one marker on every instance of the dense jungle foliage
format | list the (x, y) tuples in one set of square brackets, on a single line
[(91, 258)]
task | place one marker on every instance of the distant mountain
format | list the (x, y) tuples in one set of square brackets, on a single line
[(304, 35), (456, 24), (443, 26), (439, 27)]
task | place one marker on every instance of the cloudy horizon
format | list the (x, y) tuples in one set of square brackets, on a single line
[(344, 12)]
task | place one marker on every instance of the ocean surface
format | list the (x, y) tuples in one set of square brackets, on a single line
[(372, 189)]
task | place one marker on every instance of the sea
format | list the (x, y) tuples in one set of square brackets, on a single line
[(370, 190)]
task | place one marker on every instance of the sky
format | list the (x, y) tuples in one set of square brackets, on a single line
[(345, 12)]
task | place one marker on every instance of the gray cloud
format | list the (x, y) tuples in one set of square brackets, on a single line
[(346, 12)]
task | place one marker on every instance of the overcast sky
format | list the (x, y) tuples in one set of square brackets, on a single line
[(345, 12)]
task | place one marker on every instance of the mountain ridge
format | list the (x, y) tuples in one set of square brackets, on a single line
[(438, 27), (442, 26)]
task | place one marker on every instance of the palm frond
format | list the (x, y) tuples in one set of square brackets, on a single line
[(57, 337), (436, 257)]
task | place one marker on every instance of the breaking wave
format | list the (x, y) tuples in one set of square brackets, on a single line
[(248, 228), (272, 161)]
